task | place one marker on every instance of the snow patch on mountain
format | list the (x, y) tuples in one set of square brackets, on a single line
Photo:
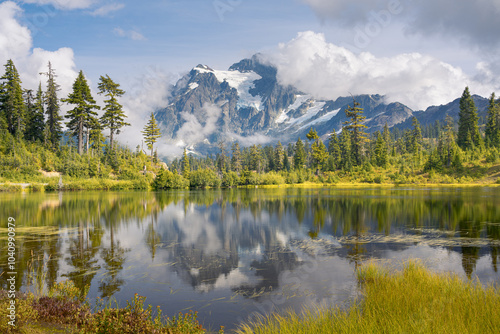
[(311, 112), (325, 118), (282, 117), (299, 100), (193, 85), (242, 82)]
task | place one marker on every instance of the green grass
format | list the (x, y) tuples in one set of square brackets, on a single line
[(413, 300)]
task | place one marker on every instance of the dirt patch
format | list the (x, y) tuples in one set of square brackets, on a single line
[(50, 174)]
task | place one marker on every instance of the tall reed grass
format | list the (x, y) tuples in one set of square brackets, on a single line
[(414, 300)]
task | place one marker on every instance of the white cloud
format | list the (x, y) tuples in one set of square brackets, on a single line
[(16, 44), (473, 21), (132, 34), (64, 4), (107, 9), (144, 95), (14, 39), (192, 130), (326, 70)]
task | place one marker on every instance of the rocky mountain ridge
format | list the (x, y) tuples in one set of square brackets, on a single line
[(247, 103)]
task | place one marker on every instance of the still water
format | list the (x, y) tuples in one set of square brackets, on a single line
[(234, 254)]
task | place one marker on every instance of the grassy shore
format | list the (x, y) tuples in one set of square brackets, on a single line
[(413, 300)]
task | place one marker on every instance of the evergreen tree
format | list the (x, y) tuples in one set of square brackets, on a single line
[(492, 131), (299, 158), (97, 139), (468, 129), (386, 134), (448, 141), (415, 137), (221, 157), (82, 116), (53, 126), (256, 159), (286, 162), (380, 151), (236, 158), (35, 115), (334, 149), (113, 117), (346, 149), (12, 107), (356, 129), (279, 156), (151, 133), (319, 155), (185, 166)]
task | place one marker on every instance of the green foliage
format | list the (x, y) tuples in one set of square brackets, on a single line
[(492, 130), (25, 313), (230, 179), (204, 178), (82, 116), (468, 129), (113, 117), (299, 158), (381, 152), (35, 123), (185, 168), (165, 179), (272, 178), (53, 126), (151, 133), (12, 107), (357, 129)]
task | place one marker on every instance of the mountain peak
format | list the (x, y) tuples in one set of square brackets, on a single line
[(203, 67)]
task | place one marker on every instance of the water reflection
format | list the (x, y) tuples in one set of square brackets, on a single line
[(231, 253)]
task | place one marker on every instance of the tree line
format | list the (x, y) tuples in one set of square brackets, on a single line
[(445, 148), (37, 117), (32, 138)]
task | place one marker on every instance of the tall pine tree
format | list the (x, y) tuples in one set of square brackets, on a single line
[(35, 122), (53, 126), (492, 131), (468, 130), (151, 133), (12, 107), (113, 117), (357, 131), (83, 115), (299, 157), (236, 158)]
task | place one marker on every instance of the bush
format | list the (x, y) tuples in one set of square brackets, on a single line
[(204, 178), (134, 319), (25, 313), (230, 179), (272, 178), (37, 187)]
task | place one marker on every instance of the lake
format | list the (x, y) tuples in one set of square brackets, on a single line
[(233, 254)]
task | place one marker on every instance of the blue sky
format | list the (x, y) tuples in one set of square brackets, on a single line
[(417, 52), (176, 35)]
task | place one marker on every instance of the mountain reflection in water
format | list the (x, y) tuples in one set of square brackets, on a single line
[(232, 254)]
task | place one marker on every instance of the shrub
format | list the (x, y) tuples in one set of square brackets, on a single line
[(204, 178), (230, 179), (272, 178)]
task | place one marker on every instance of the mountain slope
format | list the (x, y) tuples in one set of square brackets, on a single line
[(247, 102)]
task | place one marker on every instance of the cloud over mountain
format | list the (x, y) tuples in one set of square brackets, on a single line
[(328, 71)]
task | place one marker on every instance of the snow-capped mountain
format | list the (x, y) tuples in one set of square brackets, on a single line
[(247, 103)]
